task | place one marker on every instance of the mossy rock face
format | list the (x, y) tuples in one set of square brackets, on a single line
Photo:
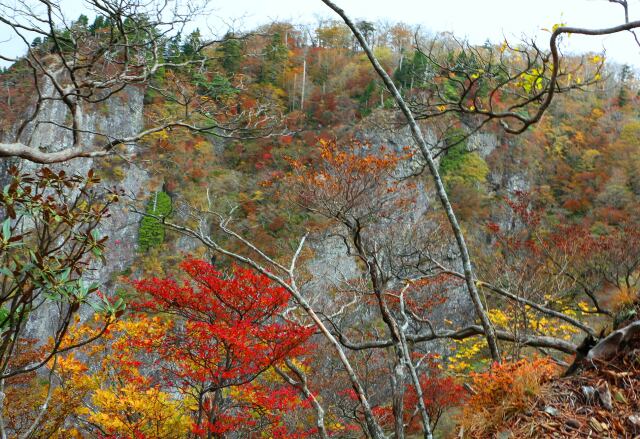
[(461, 165), (151, 232)]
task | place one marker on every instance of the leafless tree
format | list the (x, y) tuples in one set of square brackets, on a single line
[(406, 328), (433, 169), (301, 383)]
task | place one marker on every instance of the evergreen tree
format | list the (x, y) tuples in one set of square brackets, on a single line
[(192, 44), (231, 49), (367, 29), (625, 76), (217, 88), (151, 232), (82, 21), (421, 70), (98, 23), (275, 57), (172, 49)]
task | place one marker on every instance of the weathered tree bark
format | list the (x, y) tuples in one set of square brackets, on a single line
[(304, 82), (302, 385), (535, 341), (426, 421), (32, 154), (377, 285), (614, 342)]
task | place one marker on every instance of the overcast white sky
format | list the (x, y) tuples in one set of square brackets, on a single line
[(478, 20)]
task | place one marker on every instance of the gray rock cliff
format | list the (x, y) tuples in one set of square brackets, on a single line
[(121, 115)]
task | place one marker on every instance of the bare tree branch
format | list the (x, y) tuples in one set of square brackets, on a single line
[(481, 313)]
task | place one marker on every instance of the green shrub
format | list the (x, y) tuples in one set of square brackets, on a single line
[(151, 232)]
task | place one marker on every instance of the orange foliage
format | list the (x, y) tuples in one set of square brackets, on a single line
[(352, 182), (501, 392)]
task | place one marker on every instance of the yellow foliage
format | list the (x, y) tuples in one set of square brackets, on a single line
[(468, 354), (532, 80), (126, 406), (158, 135), (623, 297), (597, 113), (131, 410), (202, 146), (470, 169), (589, 158), (384, 55)]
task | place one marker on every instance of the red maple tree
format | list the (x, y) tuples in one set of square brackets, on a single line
[(227, 329)]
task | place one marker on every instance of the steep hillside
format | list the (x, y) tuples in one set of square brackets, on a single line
[(275, 260)]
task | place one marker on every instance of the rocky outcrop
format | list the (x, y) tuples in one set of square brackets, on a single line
[(331, 263), (121, 116)]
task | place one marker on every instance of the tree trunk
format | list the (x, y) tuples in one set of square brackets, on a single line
[(304, 83), (481, 313)]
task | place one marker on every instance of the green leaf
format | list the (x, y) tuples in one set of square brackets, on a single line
[(619, 397), (6, 230), (65, 274), (97, 307), (4, 313)]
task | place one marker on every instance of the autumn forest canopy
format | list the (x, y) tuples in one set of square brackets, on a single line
[(344, 229)]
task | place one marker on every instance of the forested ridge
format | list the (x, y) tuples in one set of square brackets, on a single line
[(339, 229)]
